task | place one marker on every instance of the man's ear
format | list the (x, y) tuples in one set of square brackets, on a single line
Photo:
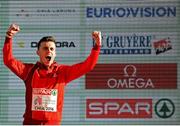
[(37, 52)]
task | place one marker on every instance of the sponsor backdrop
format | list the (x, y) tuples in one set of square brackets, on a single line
[(136, 79)]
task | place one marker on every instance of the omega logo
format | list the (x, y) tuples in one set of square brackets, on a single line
[(130, 80)]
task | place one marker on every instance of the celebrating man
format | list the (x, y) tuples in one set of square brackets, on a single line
[(46, 79)]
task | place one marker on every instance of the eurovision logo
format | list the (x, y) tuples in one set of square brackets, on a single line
[(133, 76), (131, 12)]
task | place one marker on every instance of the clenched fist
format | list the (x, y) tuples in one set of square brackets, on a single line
[(12, 30), (96, 35)]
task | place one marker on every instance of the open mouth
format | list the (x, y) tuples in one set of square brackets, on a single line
[(48, 58)]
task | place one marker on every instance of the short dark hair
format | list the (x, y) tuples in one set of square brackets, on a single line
[(46, 39)]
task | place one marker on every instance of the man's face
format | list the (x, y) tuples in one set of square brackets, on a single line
[(47, 53)]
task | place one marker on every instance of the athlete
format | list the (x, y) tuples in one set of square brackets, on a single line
[(46, 79)]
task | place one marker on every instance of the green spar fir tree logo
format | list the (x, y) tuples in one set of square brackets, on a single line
[(54, 92), (164, 108)]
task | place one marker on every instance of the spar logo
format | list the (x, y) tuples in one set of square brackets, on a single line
[(43, 91), (119, 108), (164, 108), (128, 108), (133, 76)]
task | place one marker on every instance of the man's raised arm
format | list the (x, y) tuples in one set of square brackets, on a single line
[(82, 68), (12, 63)]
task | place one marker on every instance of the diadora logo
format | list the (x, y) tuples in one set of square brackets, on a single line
[(21, 44), (129, 108), (133, 76), (63, 44)]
